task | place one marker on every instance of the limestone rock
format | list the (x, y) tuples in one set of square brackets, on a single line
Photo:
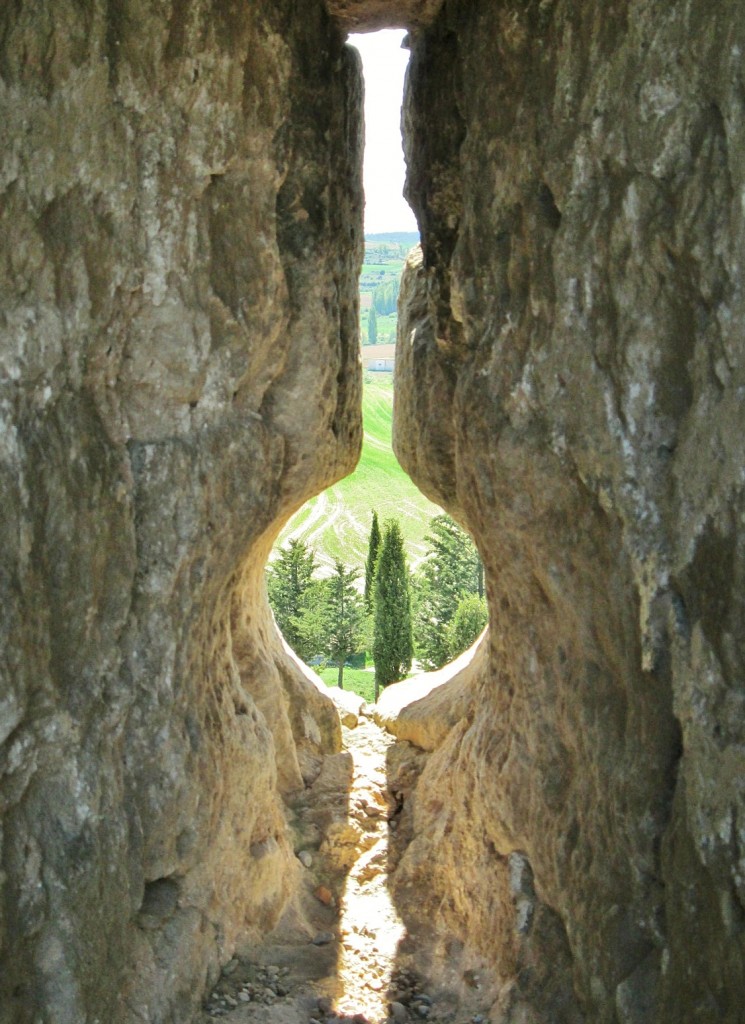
[(180, 235), (348, 704), (423, 709), (569, 381), (369, 15)]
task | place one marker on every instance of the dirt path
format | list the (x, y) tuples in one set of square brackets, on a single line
[(345, 962)]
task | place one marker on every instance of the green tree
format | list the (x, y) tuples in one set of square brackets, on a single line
[(311, 626), (385, 296), (289, 585), (344, 617), (470, 617), (451, 570), (392, 643), (373, 549), (372, 326)]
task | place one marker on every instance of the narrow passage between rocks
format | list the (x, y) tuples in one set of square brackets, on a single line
[(352, 965)]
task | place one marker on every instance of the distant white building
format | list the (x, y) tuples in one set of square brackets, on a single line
[(385, 365), (379, 358)]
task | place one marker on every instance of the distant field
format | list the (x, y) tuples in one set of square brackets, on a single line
[(379, 271), (337, 523), (392, 266)]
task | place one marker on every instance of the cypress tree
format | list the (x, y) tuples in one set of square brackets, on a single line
[(372, 326), (373, 549), (392, 644)]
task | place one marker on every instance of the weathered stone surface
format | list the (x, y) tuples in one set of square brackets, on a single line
[(423, 709), (348, 704), (179, 233), (180, 212), (570, 382), (369, 15)]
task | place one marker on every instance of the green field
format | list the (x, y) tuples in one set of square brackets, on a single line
[(357, 680), (337, 523), (392, 266)]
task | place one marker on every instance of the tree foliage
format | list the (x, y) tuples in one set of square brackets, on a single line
[(316, 617), (385, 297), (451, 571), (312, 625), (470, 617), (344, 616), (392, 642), (372, 326), (373, 549), (290, 584)]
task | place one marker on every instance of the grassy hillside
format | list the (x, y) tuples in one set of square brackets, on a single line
[(337, 523)]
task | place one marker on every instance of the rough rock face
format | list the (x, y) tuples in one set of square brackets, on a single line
[(423, 709), (369, 15), (180, 235), (180, 215), (570, 382)]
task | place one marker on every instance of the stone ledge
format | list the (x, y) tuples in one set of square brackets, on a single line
[(425, 708)]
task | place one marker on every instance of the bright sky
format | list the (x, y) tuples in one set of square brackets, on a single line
[(384, 64)]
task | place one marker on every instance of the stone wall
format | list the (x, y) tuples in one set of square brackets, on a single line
[(180, 235), (570, 381)]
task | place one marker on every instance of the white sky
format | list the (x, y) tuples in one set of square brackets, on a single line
[(384, 64)]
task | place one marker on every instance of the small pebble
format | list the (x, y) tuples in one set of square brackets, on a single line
[(324, 895), (305, 858), (244, 997), (423, 1010), (398, 1011), (323, 938)]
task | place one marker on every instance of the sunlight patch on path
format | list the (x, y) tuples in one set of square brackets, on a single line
[(369, 926)]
